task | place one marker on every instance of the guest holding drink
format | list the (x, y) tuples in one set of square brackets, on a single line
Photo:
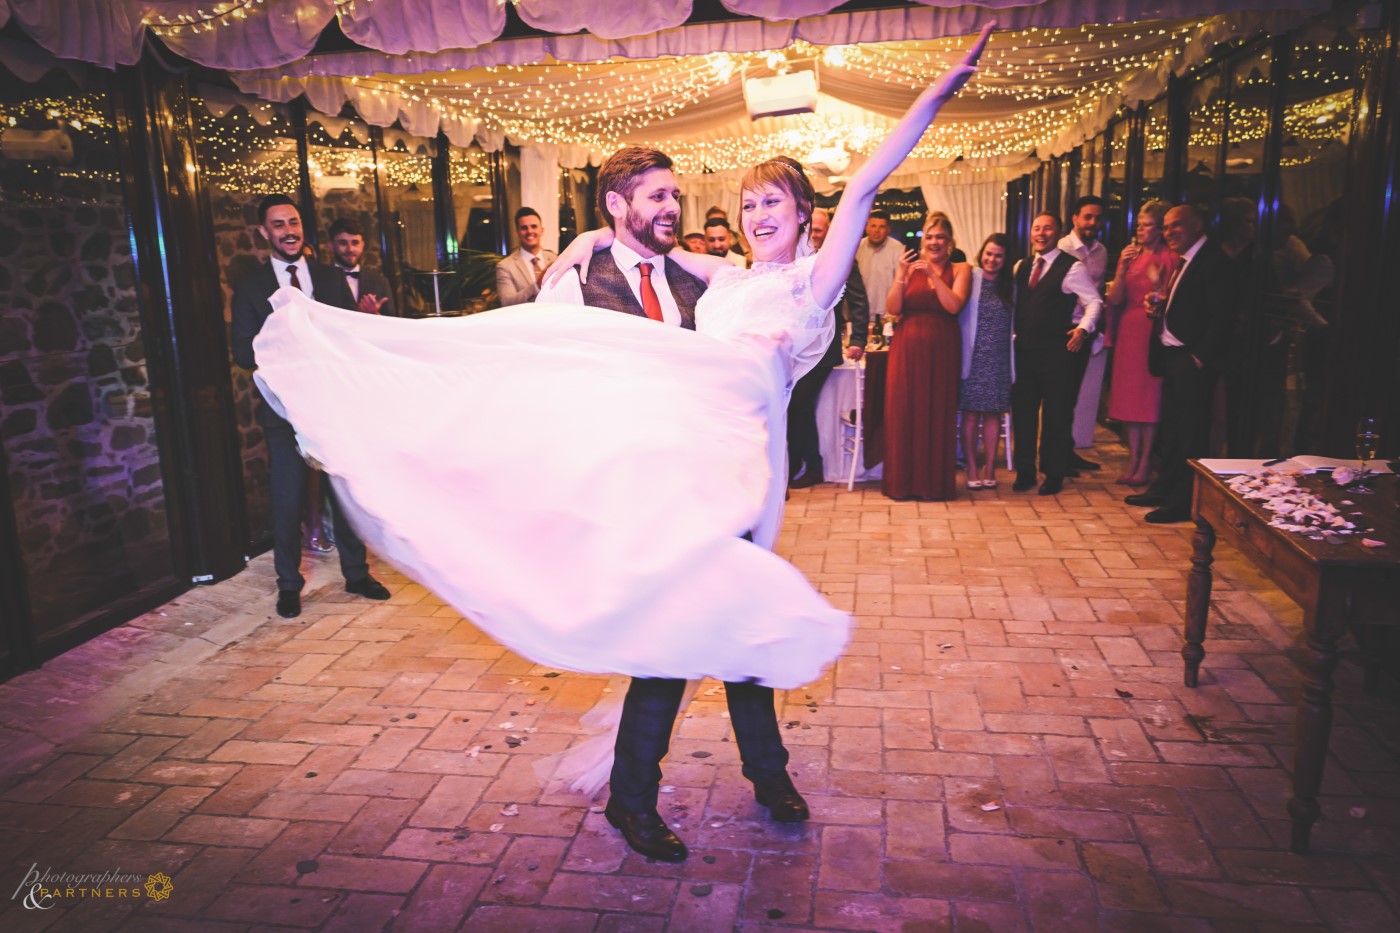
[(1135, 299), (921, 389), (984, 395)]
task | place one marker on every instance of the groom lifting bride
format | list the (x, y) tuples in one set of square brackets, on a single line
[(627, 554), (639, 196)]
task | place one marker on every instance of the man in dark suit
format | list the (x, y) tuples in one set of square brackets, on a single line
[(805, 467), (639, 195), (348, 247), (1049, 347), (1188, 345), (281, 224)]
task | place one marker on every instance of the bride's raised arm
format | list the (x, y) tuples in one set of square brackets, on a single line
[(833, 263)]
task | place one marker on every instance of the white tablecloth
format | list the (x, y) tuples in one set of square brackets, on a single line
[(838, 395)]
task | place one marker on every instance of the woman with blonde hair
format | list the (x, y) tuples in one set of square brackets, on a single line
[(1139, 291), (921, 388)]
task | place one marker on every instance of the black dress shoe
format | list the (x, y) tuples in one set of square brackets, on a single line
[(288, 603), (647, 833), (784, 803), (1146, 498), (1051, 486), (1079, 463), (369, 588), (1167, 515), (1023, 482), (1072, 473)]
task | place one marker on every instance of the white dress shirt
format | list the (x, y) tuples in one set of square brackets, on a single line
[(1078, 283), (351, 281), (1168, 338), (878, 266), (1093, 257), (568, 290), (284, 278)]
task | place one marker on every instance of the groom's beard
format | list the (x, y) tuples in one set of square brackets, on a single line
[(645, 232)]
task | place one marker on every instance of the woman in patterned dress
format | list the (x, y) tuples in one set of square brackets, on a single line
[(984, 395)]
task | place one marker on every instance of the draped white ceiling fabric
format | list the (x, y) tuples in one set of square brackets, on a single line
[(1038, 90), (613, 72), (241, 35)]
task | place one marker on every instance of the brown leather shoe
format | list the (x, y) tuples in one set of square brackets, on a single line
[(784, 803), (647, 834)]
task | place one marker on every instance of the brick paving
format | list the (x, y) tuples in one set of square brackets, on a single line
[(1006, 745)]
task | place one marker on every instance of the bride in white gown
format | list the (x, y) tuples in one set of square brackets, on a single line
[(576, 481)]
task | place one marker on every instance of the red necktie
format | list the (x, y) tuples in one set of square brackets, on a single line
[(295, 282), (650, 303), (1037, 269)]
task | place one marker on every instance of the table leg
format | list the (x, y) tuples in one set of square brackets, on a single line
[(1198, 599), (1317, 658)]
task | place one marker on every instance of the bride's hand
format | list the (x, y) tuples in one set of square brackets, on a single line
[(952, 80), (578, 253)]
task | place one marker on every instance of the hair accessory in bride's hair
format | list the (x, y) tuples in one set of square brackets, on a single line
[(786, 173)]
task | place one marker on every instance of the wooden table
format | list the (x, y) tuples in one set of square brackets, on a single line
[(1338, 583)]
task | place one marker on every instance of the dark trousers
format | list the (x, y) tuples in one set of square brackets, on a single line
[(1188, 393), (288, 478), (1042, 407), (804, 443), (648, 715)]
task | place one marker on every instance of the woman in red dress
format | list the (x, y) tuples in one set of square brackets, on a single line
[(921, 387), (1145, 271)]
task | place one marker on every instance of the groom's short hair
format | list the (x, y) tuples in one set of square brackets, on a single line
[(623, 173)]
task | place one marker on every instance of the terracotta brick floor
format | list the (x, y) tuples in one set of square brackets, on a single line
[(1006, 745)]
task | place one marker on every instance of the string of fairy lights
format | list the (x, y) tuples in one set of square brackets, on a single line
[(603, 105)]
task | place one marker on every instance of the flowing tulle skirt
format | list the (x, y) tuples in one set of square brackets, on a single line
[(574, 481)]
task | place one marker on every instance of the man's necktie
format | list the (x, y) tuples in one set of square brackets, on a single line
[(352, 273), (295, 282), (650, 303), (539, 269), (1037, 269)]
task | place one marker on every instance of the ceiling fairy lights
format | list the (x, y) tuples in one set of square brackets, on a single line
[(1032, 87)]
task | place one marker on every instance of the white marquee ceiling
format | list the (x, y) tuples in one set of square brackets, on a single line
[(642, 74)]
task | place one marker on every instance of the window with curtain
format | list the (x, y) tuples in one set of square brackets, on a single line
[(1205, 111), (1153, 183), (341, 164), (1307, 236)]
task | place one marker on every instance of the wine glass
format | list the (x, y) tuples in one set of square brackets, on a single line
[(1368, 437)]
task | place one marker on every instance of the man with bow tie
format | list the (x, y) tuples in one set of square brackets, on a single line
[(366, 285), (280, 224), (518, 275)]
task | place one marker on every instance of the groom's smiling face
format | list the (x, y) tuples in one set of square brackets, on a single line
[(650, 216)]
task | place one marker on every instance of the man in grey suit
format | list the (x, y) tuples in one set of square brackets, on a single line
[(639, 196), (348, 247), (281, 224), (518, 275)]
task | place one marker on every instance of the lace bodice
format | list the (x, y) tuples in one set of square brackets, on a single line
[(769, 300)]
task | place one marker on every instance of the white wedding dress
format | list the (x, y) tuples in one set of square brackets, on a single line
[(576, 481)]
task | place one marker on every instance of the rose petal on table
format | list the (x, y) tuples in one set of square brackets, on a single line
[(1372, 542)]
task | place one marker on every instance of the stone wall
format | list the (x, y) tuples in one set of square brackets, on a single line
[(77, 424)]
